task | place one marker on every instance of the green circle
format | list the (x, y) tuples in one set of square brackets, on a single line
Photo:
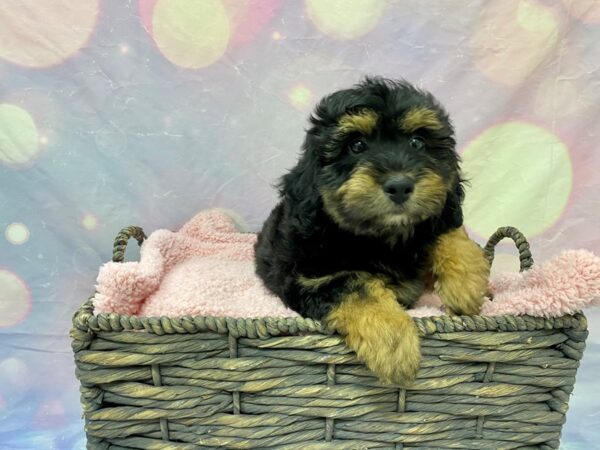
[(18, 135), (345, 19), (519, 175), (190, 33)]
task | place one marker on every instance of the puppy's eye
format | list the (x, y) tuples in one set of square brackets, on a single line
[(417, 142), (358, 146)]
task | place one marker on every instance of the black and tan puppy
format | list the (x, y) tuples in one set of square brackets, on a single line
[(370, 216)]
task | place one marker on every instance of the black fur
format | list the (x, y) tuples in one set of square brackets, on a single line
[(301, 239)]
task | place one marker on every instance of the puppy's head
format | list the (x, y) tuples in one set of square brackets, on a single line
[(379, 159)]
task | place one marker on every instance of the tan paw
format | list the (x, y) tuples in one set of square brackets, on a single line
[(382, 334), (392, 351), (464, 297), (461, 271)]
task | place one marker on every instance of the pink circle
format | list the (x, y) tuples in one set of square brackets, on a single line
[(146, 11), (248, 18), (50, 414), (15, 299)]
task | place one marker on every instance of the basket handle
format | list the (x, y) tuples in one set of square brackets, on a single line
[(123, 237), (520, 241)]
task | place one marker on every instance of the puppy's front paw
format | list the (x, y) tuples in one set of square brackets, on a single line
[(391, 350), (463, 295), (383, 336), (462, 273)]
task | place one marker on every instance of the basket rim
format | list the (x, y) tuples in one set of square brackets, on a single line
[(84, 320)]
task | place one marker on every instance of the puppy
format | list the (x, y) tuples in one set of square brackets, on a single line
[(369, 218)]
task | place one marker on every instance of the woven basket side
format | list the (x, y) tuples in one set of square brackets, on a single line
[(485, 390)]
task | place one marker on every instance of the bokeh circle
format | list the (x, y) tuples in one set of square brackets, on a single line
[(345, 19), (51, 414), (301, 97), (44, 33), (189, 33), (513, 38), (247, 18), (17, 233), (519, 175), (19, 139), (89, 222), (15, 376), (15, 299)]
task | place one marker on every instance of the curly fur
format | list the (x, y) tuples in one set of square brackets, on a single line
[(335, 230)]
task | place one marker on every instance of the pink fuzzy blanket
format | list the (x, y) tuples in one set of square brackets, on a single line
[(207, 269)]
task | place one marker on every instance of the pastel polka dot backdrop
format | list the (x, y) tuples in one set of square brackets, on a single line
[(115, 113)]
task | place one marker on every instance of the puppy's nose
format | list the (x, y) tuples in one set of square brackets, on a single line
[(399, 188)]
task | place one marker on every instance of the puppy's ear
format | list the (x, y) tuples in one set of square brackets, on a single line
[(334, 105), (299, 189)]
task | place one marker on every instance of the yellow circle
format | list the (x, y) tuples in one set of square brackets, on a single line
[(190, 33), (15, 301), (41, 34), (345, 19), (513, 38), (17, 233), (520, 175), (300, 97), (89, 222), (19, 140)]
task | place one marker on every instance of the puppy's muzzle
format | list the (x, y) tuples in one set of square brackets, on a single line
[(399, 188)]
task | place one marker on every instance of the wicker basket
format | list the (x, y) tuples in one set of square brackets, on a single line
[(207, 382)]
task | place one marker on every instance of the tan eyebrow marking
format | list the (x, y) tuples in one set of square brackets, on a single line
[(420, 117), (363, 121)]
